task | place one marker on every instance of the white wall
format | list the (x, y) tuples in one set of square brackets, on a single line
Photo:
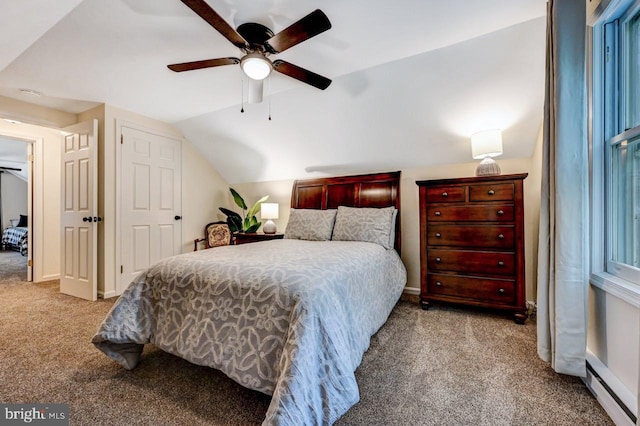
[(203, 189), (280, 192), (14, 198), (202, 186), (614, 336)]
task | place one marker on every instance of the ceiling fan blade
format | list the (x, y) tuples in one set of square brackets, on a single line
[(211, 16), (207, 63), (310, 26), (305, 76)]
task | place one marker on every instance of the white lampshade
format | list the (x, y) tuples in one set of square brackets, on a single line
[(269, 210), (487, 143), (256, 66)]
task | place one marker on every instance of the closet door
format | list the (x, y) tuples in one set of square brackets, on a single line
[(150, 194)]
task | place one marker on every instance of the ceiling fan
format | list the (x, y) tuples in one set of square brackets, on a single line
[(258, 42)]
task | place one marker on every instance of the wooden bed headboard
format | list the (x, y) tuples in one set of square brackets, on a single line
[(372, 190)]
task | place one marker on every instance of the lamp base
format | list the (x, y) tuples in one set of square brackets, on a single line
[(269, 227), (488, 167)]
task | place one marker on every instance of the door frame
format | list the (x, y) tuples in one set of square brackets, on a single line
[(118, 202), (34, 176)]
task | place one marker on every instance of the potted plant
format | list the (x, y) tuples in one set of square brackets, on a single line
[(247, 223)]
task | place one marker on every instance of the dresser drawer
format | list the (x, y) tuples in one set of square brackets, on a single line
[(471, 236), (473, 213), (474, 288), (445, 194), (470, 261), (493, 192)]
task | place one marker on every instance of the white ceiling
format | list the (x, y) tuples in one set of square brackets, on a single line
[(412, 79)]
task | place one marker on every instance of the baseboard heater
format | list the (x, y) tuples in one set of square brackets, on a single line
[(611, 393)]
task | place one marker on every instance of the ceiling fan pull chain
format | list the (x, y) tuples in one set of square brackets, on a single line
[(241, 92), (269, 94)]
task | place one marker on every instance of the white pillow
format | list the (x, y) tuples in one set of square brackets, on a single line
[(310, 224), (365, 224)]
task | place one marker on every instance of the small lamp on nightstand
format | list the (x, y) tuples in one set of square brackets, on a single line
[(485, 145), (269, 211)]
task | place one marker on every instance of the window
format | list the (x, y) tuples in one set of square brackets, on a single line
[(616, 140), (632, 94), (625, 182)]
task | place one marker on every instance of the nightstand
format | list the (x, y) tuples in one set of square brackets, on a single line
[(243, 238)]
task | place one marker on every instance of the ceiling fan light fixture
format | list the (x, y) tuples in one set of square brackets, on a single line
[(256, 66)]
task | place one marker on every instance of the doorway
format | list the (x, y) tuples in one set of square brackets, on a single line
[(16, 200)]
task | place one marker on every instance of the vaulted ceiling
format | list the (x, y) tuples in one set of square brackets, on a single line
[(412, 79)]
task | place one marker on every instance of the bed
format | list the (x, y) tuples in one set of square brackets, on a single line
[(291, 318), (16, 238)]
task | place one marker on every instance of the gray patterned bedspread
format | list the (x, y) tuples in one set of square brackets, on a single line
[(289, 318)]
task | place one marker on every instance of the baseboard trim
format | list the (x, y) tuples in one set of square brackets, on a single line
[(107, 295), (616, 399), (412, 291)]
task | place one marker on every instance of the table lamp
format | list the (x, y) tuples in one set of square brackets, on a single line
[(485, 145), (269, 211)]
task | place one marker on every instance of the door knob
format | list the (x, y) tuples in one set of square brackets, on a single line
[(87, 219), (177, 217), (97, 219)]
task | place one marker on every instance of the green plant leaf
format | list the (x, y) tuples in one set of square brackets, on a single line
[(238, 199), (234, 220), (235, 223), (254, 228), (230, 213), (256, 207)]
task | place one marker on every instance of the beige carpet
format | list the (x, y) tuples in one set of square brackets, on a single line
[(438, 367)]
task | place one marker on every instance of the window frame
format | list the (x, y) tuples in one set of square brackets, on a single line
[(606, 82)]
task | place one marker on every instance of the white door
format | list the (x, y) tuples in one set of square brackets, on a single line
[(150, 212), (79, 217)]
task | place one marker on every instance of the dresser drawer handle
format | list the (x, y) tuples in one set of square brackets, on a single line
[(444, 194), (438, 283), (501, 290), (500, 212), (501, 263), (438, 259), (438, 213), (491, 192), (438, 235), (500, 236)]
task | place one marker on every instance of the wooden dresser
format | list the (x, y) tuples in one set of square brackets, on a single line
[(472, 242)]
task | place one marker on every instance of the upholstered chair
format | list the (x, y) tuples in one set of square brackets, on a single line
[(215, 234)]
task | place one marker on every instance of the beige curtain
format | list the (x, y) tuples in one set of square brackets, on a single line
[(563, 265)]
